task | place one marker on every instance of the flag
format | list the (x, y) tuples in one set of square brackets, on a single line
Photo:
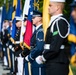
[(17, 12), (4, 15), (70, 71), (0, 17), (72, 35), (18, 9), (14, 8), (10, 11), (28, 32), (46, 16), (25, 12)]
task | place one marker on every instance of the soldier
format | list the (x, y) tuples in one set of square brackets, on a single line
[(17, 47), (72, 35), (37, 43), (11, 53), (5, 40), (54, 55)]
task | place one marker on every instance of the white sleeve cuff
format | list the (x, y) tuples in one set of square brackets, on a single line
[(26, 58)]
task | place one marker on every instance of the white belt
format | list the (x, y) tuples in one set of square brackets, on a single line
[(47, 46), (17, 42)]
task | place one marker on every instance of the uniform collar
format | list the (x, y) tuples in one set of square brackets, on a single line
[(38, 26), (54, 17)]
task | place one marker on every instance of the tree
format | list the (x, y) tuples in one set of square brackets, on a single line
[(66, 10)]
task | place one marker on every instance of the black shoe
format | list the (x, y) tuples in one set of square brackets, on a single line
[(10, 73), (7, 68), (4, 65)]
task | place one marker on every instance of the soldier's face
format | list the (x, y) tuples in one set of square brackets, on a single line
[(10, 24), (73, 14), (6, 24), (52, 8), (18, 24), (36, 20)]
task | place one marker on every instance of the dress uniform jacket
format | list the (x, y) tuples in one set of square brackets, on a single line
[(56, 58), (4, 36), (17, 46), (37, 43)]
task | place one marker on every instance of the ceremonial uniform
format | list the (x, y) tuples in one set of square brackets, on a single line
[(4, 42), (17, 49), (54, 55), (54, 48), (11, 53), (37, 43), (72, 35)]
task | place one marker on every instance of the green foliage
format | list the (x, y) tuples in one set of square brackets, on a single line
[(41, 5), (66, 10), (1, 2)]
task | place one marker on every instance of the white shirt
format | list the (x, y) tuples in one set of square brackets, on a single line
[(53, 18), (38, 26)]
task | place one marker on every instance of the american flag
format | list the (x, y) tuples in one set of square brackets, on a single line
[(28, 32)]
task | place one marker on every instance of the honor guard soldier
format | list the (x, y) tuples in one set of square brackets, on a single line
[(11, 53), (37, 43), (72, 35), (4, 41), (54, 55), (17, 47)]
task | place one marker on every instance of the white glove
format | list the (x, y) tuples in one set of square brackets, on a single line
[(20, 55), (10, 46), (13, 49), (39, 60), (26, 58)]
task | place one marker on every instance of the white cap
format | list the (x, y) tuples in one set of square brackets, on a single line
[(18, 18), (57, 0)]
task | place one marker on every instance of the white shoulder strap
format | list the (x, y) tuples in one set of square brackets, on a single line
[(56, 21)]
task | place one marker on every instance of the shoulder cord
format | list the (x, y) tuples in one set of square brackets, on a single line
[(56, 21)]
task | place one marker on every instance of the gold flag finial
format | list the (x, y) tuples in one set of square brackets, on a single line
[(36, 4)]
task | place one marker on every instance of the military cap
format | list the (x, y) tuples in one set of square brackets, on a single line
[(18, 19), (57, 0), (37, 13)]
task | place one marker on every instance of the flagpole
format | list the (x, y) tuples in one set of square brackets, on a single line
[(4, 1), (25, 12)]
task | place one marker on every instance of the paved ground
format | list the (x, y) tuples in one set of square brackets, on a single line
[(2, 72)]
